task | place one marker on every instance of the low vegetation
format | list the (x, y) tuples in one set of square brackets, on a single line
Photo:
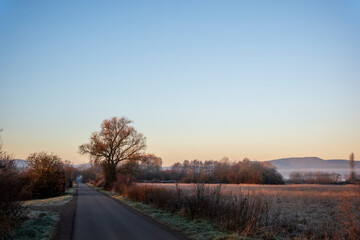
[(243, 213), (255, 211), (12, 211), (40, 225), (42, 217), (60, 200), (295, 211)]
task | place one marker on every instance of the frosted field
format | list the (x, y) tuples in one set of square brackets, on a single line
[(300, 208)]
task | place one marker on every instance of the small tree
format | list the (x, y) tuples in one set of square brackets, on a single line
[(117, 144), (352, 176), (47, 173)]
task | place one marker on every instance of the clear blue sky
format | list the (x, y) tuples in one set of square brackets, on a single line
[(200, 79)]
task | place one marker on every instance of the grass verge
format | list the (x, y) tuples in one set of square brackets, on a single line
[(198, 229), (53, 201), (41, 225), (43, 217)]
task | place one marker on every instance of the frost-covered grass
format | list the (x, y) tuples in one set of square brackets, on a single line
[(48, 201), (55, 201), (40, 225)]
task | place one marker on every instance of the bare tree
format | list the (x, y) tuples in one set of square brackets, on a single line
[(117, 144)]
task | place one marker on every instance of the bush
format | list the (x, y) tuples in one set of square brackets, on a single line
[(123, 181), (11, 188), (47, 174)]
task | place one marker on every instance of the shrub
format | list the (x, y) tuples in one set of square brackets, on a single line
[(350, 217), (123, 181), (47, 174), (11, 188)]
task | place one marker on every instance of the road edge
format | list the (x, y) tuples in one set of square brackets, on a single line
[(65, 227), (176, 232)]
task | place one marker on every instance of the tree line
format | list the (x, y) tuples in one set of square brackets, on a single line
[(120, 150), (211, 171), (317, 177)]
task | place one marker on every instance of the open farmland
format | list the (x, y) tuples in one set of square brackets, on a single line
[(303, 211)]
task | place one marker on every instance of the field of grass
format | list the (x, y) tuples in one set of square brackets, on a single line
[(304, 211), (269, 211)]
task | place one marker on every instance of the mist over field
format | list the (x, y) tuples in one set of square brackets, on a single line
[(287, 165)]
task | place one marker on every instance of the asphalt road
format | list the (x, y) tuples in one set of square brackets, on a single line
[(100, 217)]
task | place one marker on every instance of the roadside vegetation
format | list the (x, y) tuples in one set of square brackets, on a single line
[(250, 211), (198, 229), (40, 225), (28, 195), (42, 217)]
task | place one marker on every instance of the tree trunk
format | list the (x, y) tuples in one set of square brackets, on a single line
[(110, 175)]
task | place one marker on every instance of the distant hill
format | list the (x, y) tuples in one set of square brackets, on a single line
[(21, 164), (287, 165)]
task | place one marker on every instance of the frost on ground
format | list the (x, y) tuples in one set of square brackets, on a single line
[(43, 217), (55, 201), (49, 201), (40, 225)]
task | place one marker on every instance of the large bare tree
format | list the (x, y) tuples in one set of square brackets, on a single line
[(115, 145)]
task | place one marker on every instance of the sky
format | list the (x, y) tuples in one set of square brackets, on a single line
[(200, 79)]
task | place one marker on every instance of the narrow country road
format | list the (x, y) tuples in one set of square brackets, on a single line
[(100, 217)]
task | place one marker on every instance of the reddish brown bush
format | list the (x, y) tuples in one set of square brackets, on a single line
[(122, 183), (47, 174)]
